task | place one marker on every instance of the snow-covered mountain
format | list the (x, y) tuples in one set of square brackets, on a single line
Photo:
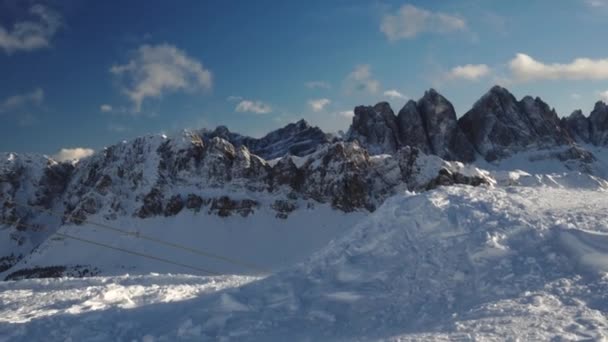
[(297, 139), (420, 226), (146, 180), (216, 176)]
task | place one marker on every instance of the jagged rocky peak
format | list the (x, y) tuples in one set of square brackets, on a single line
[(578, 127), (499, 125), (412, 131), (445, 136), (598, 120), (429, 125), (375, 128), (299, 138)]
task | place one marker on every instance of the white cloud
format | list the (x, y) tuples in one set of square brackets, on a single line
[(317, 85), (604, 95), (318, 105), (470, 72), (257, 107), (72, 154), (106, 108), (596, 3), (31, 35), (526, 68), (394, 94), (361, 79), (346, 114), (575, 96), (157, 69), (17, 101), (410, 21)]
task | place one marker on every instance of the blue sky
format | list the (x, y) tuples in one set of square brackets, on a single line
[(90, 73)]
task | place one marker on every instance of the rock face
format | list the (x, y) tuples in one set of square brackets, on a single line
[(375, 128), (499, 125), (412, 131), (159, 176), (589, 130), (429, 125), (445, 137), (298, 139), (577, 125), (598, 122)]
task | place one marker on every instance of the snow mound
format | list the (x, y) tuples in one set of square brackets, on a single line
[(458, 262)]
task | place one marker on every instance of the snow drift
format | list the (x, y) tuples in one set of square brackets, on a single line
[(455, 262)]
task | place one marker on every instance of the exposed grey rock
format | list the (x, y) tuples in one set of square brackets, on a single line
[(447, 178), (598, 120), (444, 135), (298, 139), (498, 125), (412, 131), (174, 206), (429, 124), (577, 126), (375, 128)]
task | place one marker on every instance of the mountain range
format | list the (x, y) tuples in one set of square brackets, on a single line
[(296, 168)]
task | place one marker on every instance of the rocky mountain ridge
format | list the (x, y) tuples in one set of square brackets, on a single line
[(497, 127), (222, 173)]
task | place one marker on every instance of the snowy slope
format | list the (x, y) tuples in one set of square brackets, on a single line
[(261, 239), (464, 263)]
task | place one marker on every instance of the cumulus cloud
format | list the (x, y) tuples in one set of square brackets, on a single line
[(157, 69), (394, 94), (72, 154), (318, 105), (257, 107), (604, 95), (469, 72), (106, 108), (20, 100), (317, 85), (526, 68), (409, 21), (361, 79), (31, 35)]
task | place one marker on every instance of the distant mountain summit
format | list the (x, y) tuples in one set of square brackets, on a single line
[(429, 125), (298, 167), (296, 139), (592, 129), (498, 125)]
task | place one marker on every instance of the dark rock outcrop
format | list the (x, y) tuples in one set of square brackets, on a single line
[(598, 122), (445, 136), (429, 125), (577, 126), (499, 125), (412, 131), (375, 128), (298, 139)]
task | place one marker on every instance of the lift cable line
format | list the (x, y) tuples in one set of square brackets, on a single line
[(124, 250), (154, 239)]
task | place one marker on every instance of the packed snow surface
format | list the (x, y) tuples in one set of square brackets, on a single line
[(455, 263)]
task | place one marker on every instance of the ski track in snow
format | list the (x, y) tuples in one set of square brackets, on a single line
[(457, 263)]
